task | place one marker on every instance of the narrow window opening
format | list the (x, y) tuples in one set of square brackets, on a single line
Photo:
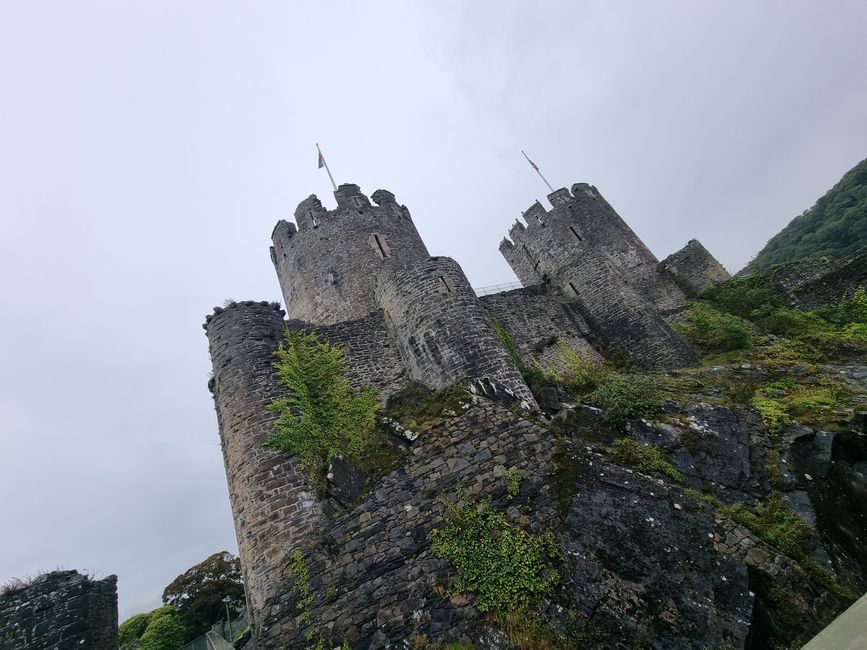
[(527, 253), (536, 265), (383, 251), (575, 232), (357, 201), (573, 288), (444, 285), (312, 218), (539, 219)]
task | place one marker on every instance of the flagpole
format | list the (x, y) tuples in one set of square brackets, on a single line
[(533, 165), (325, 164)]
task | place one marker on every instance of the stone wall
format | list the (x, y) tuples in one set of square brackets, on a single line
[(441, 329), (372, 357), (327, 265), (539, 321), (694, 269), (273, 504), (62, 610)]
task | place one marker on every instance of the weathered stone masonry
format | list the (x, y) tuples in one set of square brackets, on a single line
[(62, 610), (361, 277)]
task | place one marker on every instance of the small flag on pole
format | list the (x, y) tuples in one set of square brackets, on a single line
[(534, 166), (321, 163)]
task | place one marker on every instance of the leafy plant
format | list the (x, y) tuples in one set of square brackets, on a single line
[(505, 566), (321, 416), (513, 482), (623, 397), (644, 458), (301, 584)]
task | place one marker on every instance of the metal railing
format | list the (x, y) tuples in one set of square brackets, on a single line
[(497, 288)]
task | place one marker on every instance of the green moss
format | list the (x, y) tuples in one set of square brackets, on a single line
[(506, 567), (644, 458), (416, 406), (320, 416), (565, 476)]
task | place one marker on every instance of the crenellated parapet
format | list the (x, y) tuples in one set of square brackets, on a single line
[(327, 264)]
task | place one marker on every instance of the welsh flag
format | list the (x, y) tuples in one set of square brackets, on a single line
[(321, 161)]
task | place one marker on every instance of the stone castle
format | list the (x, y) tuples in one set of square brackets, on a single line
[(361, 277)]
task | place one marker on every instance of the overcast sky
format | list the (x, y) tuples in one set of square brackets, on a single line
[(147, 149)]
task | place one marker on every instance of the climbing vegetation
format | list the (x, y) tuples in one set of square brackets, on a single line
[(506, 567), (320, 416)]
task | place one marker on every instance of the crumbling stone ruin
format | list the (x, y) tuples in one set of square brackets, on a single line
[(644, 560), (61, 610)]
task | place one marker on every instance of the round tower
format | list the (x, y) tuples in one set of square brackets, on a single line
[(327, 265), (442, 331), (273, 504)]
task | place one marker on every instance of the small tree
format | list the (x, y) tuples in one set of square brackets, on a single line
[(198, 593)]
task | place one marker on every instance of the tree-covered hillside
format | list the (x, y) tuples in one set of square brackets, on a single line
[(835, 227)]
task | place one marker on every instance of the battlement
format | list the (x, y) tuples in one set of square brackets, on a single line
[(326, 266)]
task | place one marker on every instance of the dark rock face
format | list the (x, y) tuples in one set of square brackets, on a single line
[(718, 449), (642, 566), (62, 610)]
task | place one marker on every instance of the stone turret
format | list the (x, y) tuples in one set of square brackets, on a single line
[(327, 265), (273, 503)]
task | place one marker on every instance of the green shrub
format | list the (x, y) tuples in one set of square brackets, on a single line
[(710, 330), (132, 628), (165, 630), (506, 567), (623, 397), (644, 458), (321, 416), (751, 296)]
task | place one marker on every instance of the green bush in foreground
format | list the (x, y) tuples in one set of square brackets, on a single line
[(506, 567), (321, 416), (644, 458)]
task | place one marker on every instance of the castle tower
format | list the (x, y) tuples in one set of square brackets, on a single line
[(583, 247), (581, 219), (273, 504), (327, 265), (441, 328)]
